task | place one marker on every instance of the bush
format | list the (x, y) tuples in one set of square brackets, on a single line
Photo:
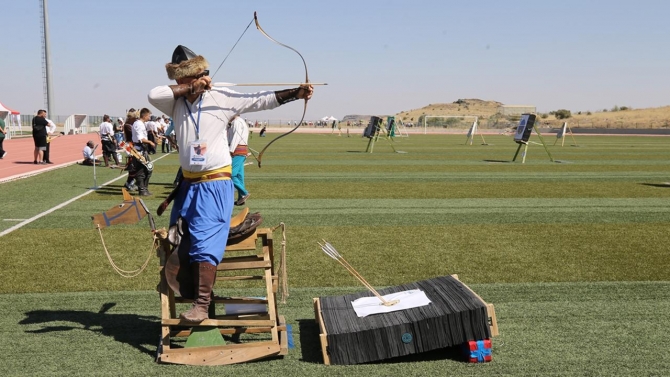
[(562, 114)]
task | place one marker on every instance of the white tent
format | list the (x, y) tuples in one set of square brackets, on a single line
[(76, 124), (328, 119), (12, 119)]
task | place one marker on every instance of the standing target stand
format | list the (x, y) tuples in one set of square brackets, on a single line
[(522, 135), (471, 134), (374, 129), (561, 135)]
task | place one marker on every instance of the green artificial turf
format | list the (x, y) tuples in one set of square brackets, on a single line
[(573, 253), (593, 329)]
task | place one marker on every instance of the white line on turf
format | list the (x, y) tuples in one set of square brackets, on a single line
[(40, 215)]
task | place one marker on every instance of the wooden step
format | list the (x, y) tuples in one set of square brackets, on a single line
[(233, 330), (243, 263), (220, 322)]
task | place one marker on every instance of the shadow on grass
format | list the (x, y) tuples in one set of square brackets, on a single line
[(499, 161), (135, 330), (111, 190), (310, 345), (664, 185)]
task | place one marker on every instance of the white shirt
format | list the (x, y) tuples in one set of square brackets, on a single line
[(51, 127), (219, 105), (88, 152), (139, 132), (151, 126), (238, 133), (106, 128)]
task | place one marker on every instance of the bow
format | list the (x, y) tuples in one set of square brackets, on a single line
[(304, 111), (302, 118)]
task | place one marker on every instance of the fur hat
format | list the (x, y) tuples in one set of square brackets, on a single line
[(185, 63), (132, 113)]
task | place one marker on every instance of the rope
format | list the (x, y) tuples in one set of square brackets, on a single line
[(124, 273), (283, 273)]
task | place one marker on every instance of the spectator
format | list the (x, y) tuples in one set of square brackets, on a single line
[(89, 156), (118, 131), (51, 131), (238, 139), (40, 136), (3, 132), (141, 169), (108, 141)]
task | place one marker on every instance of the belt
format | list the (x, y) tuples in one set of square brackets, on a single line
[(209, 177)]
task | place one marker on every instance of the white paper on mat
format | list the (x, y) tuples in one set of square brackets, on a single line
[(414, 298)]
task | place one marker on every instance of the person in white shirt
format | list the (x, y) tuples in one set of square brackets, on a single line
[(108, 141), (162, 128), (51, 130), (88, 152), (152, 128), (204, 203), (238, 136), (141, 170)]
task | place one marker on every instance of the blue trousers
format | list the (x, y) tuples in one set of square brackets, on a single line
[(206, 208), (238, 175)]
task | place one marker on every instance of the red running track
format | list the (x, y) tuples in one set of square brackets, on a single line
[(64, 150)]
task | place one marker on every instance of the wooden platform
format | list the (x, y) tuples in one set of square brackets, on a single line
[(177, 344), (457, 314)]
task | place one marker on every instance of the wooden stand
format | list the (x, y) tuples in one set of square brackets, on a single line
[(203, 349), (525, 148)]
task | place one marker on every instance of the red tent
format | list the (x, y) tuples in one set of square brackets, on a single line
[(7, 109)]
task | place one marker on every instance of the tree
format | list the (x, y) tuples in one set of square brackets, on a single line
[(562, 114)]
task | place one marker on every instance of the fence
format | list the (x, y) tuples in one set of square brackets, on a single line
[(494, 122)]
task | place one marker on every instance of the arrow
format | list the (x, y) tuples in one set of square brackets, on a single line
[(266, 84)]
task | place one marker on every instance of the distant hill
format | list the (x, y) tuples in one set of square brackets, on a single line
[(487, 111), (482, 109)]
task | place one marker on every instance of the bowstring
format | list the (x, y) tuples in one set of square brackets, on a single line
[(231, 50), (304, 112)]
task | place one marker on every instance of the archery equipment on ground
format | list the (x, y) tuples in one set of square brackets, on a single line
[(331, 252)]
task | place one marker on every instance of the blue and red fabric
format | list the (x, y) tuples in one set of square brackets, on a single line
[(478, 351)]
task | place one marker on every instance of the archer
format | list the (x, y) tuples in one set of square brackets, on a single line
[(205, 200)]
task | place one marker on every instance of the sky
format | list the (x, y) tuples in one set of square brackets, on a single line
[(378, 57)]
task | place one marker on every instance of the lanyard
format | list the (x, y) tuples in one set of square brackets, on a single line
[(197, 124)]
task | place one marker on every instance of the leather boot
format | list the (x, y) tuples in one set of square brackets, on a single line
[(204, 276)]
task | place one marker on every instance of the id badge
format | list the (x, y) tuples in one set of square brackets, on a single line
[(198, 152)]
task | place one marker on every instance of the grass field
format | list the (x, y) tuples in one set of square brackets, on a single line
[(574, 255)]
